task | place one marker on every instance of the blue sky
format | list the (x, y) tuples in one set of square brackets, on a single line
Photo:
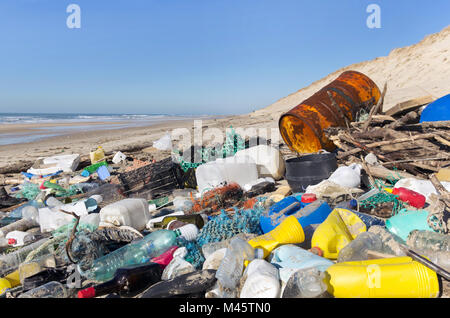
[(190, 56)]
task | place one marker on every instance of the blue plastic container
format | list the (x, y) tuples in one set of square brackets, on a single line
[(438, 110), (306, 213)]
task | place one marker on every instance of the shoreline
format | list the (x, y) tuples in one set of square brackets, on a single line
[(113, 139)]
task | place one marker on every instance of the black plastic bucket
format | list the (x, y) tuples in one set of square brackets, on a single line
[(309, 170)]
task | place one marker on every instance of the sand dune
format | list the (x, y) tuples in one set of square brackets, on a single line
[(414, 71)]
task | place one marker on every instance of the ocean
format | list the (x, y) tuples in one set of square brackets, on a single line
[(41, 125)]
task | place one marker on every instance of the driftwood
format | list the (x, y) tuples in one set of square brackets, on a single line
[(403, 144)]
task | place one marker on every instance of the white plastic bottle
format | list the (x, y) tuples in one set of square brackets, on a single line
[(19, 237), (130, 212), (262, 280)]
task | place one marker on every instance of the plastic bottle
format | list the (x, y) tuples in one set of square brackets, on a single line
[(19, 237), (6, 242), (357, 249), (129, 212), (261, 280), (30, 268), (209, 248), (340, 228), (150, 246), (288, 232), (290, 258), (48, 290), (411, 197), (52, 202), (11, 261), (21, 225), (230, 269), (306, 283), (198, 219), (428, 240), (396, 277), (9, 281), (127, 282), (152, 221)]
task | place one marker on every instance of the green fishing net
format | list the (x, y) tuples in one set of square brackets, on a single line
[(383, 196), (233, 143)]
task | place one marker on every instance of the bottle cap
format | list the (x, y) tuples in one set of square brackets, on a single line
[(12, 241), (189, 232), (309, 197), (353, 203), (87, 293)]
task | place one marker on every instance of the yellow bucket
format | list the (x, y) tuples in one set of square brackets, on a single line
[(340, 228), (288, 232), (396, 277)]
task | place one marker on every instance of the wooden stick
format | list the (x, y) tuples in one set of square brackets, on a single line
[(375, 109)]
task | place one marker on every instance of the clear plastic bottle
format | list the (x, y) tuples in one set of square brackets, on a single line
[(357, 249), (306, 283), (24, 224), (48, 290), (428, 240), (209, 248), (152, 245), (11, 261), (230, 270)]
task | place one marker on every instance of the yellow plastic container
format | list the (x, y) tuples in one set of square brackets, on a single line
[(97, 155), (288, 232), (396, 277), (340, 228), (9, 281)]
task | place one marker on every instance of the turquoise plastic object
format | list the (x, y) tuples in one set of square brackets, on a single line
[(290, 258), (406, 221), (438, 110)]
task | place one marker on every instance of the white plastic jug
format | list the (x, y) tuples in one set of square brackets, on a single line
[(241, 170), (130, 212), (50, 220), (262, 280), (268, 159)]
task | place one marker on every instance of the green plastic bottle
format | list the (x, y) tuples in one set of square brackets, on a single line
[(152, 245)]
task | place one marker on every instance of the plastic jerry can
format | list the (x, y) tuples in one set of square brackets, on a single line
[(9, 281), (340, 228), (97, 155), (288, 232), (129, 212), (396, 277), (269, 161)]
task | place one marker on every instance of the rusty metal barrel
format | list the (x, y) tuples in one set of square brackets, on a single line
[(302, 127)]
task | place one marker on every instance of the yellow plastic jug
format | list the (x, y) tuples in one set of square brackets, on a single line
[(396, 277), (97, 155), (340, 228), (288, 232), (9, 281)]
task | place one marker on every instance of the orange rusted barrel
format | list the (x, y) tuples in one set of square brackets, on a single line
[(302, 127)]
